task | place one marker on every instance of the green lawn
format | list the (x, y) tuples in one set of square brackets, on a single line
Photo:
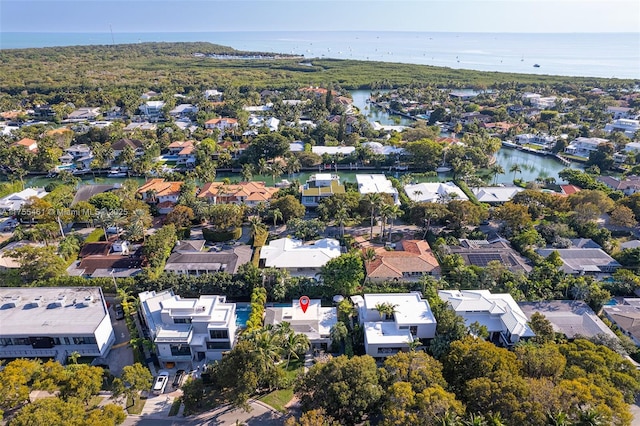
[(135, 408), (175, 407), (281, 397), (278, 399)]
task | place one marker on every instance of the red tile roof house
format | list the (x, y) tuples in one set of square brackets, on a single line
[(29, 144), (249, 193), (411, 260), (221, 123), (162, 193)]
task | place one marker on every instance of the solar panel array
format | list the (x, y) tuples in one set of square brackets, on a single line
[(482, 259)]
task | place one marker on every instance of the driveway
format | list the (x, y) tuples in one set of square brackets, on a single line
[(121, 353), (260, 415)]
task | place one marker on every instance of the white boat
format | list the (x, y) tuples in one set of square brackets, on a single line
[(509, 144), (116, 173), (443, 169)]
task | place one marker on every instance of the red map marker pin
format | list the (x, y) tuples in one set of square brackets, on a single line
[(304, 303)]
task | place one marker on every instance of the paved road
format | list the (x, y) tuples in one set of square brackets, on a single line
[(260, 415)]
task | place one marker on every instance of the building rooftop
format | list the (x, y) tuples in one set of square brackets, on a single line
[(434, 192), (315, 323), (291, 253), (410, 307), (481, 252), (386, 333), (410, 256), (569, 317), (582, 259), (228, 260), (36, 311)]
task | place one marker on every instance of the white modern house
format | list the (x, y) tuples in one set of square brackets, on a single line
[(625, 125), (298, 258), (53, 322), (500, 313), (315, 323), (152, 109), (188, 330), (434, 192), (544, 141), (14, 202), (333, 150), (496, 194), (387, 335), (319, 186), (368, 184), (582, 147)]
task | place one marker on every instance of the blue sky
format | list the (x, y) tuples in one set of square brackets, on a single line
[(317, 15)]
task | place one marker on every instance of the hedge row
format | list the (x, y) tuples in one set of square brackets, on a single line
[(221, 236), (258, 299)]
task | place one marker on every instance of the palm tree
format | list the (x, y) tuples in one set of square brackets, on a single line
[(294, 344), (293, 166), (247, 172), (414, 344), (263, 167), (341, 217), (496, 170), (417, 193), (139, 221), (386, 309), (276, 214), (368, 255), (255, 225), (339, 333), (276, 172), (392, 213), (515, 169), (74, 356), (373, 200)]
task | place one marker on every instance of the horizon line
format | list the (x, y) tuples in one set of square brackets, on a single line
[(317, 31)]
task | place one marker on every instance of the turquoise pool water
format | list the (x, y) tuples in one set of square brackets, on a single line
[(242, 315)]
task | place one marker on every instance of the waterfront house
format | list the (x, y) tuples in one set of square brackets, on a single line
[(627, 126), (183, 152), (315, 322), (144, 126), (333, 150), (319, 186), (582, 147), (572, 318), (499, 313), (386, 334), (385, 150), (13, 203), (136, 145), (162, 193), (434, 192), (248, 193), (188, 331), (297, 257), (409, 260), (543, 141), (368, 184), (496, 194), (53, 322)]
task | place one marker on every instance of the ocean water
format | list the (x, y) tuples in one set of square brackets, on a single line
[(584, 54)]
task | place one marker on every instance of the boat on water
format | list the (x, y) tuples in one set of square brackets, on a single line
[(443, 169), (536, 65), (117, 173)]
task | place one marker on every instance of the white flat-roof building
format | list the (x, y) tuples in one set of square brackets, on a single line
[(315, 323), (582, 146), (333, 150), (500, 313), (298, 258), (14, 202), (53, 322), (387, 336), (434, 192), (189, 330), (496, 194), (368, 184), (625, 125), (544, 141)]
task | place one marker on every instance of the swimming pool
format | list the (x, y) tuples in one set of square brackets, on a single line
[(242, 314)]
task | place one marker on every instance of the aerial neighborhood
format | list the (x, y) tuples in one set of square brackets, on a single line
[(210, 245)]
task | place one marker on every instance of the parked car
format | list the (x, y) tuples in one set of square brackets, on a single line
[(119, 312), (179, 377), (160, 384)]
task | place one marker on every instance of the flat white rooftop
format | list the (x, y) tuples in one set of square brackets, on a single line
[(51, 310), (374, 183), (386, 333), (411, 309)]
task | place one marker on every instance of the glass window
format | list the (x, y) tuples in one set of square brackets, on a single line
[(219, 334), (182, 320), (180, 350), (218, 345), (21, 341)]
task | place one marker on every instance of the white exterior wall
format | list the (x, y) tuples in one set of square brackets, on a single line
[(105, 337)]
